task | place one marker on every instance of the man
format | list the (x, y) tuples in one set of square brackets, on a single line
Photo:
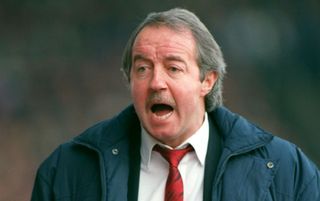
[(175, 70)]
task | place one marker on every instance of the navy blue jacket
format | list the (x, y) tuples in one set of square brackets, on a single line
[(253, 165)]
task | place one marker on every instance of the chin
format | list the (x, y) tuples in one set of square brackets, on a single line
[(163, 136)]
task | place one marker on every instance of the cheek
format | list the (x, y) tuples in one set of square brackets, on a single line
[(134, 88), (191, 98), (138, 93), (188, 97)]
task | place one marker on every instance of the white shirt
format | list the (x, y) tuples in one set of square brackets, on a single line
[(154, 168)]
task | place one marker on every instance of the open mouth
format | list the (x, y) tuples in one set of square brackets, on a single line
[(162, 110)]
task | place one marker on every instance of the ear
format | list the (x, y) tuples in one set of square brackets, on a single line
[(208, 82)]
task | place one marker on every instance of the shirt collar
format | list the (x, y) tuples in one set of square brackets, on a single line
[(197, 140)]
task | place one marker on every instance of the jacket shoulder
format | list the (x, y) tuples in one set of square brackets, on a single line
[(275, 164), (70, 166), (110, 131), (88, 143), (67, 157), (295, 170), (287, 152), (78, 162)]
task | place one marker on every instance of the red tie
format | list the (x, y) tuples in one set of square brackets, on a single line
[(174, 185)]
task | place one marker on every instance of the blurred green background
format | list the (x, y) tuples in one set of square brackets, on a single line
[(60, 60)]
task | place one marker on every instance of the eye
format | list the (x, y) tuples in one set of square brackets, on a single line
[(174, 69), (141, 69)]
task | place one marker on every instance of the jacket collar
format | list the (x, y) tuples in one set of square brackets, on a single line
[(99, 136), (238, 134)]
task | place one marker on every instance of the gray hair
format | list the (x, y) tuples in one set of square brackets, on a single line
[(209, 55)]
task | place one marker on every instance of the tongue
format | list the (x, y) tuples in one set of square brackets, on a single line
[(161, 109)]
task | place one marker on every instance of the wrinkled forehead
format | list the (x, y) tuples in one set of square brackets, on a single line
[(164, 40), (175, 27), (164, 28), (173, 32)]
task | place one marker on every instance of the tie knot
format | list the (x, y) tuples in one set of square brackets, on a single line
[(173, 156)]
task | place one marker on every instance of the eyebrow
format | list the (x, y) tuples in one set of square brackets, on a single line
[(174, 58), (139, 57), (167, 58)]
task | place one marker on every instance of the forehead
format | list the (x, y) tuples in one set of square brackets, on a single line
[(163, 38)]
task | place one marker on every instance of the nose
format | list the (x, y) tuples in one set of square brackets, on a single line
[(158, 80)]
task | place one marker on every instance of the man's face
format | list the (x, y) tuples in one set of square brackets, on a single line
[(165, 84)]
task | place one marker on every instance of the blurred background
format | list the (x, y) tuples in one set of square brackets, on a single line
[(60, 60)]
